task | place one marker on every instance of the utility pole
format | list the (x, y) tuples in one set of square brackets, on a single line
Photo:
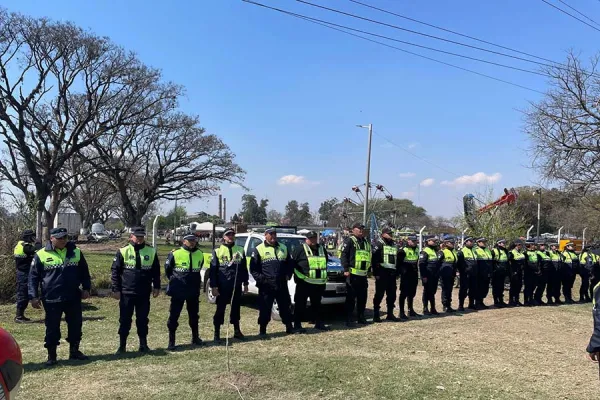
[(367, 187)]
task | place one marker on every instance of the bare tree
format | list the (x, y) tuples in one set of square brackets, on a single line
[(60, 89), (564, 127), (94, 199), (171, 158)]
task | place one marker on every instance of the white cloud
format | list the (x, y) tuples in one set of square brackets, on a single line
[(474, 179), (406, 174), (295, 180), (407, 195), (291, 180), (427, 182), (413, 145), (234, 186)]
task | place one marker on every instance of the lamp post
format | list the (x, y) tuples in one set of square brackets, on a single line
[(539, 208), (366, 205)]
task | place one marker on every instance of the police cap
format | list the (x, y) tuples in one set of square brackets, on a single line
[(139, 231), (413, 238), (501, 241), (469, 239), (481, 239), (229, 231), (270, 231), (28, 233), (311, 235), (58, 232), (190, 236), (358, 225), (386, 230)]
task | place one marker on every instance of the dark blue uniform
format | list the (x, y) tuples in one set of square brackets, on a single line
[(24, 253), (223, 277), (60, 293)]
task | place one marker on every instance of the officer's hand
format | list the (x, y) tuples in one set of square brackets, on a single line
[(116, 295), (85, 295), (155, 292), (215, 291), (35, 303), (246, 289), (424, 280), (593, 356), (346, 273)]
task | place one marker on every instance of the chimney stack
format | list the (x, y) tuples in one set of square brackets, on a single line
[(225, 210), (220, 206)]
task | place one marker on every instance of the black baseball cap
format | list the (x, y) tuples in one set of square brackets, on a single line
[(358, 225), (138, 231), (229, 231), (311, 235), (27, 233), (58, 232)]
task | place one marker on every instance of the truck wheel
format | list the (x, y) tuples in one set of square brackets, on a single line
[(209, 294)]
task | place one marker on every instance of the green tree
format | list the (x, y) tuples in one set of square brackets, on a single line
[(297, 214), (174, 218), (252, 212)]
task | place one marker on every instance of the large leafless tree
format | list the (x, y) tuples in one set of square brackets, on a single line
[(61, 88), (564, 128), (171, 158)]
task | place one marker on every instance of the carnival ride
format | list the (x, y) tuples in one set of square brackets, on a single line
[(474, 211)]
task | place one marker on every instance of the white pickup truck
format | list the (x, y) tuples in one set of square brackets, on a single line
[(335, 291)]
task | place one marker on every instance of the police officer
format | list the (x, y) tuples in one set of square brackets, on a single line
[(228, 272), (271, 267), (595, 272), (24, 253), (408, 258), (135, 275), (531, 273), (356, 261), (542, 281), (553, 290), (570, 264), (310, 273), (485, 266), (517, 264), (499, 273), (448, 259), (182, 269), (385, 271), (593, 348), (467, 267), (61, 269), (587, 259), (429, 266)]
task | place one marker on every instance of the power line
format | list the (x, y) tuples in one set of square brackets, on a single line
[(421, 46), (578, 12), (454, 32), (308, 19), (565, 12), (425, 34)]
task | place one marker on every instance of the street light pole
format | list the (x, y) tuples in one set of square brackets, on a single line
[(366, 205), (539, 192)]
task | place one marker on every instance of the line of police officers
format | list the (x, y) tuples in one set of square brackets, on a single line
[(532, 268), (61, 272)]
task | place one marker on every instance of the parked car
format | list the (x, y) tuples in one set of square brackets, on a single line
[(335, 290)]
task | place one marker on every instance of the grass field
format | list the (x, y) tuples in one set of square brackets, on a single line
[(523, 353)]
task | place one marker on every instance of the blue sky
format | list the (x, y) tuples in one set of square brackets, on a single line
[(286, 94)]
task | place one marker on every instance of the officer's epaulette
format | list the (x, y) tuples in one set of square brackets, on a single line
[(174, 250)]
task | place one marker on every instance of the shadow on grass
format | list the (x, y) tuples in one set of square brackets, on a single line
[(32, 367), (88, 307)]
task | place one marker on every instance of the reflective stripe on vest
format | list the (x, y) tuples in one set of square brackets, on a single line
[(362, 258), (449, 256), (501, 256), (517, 255), (270, 254), (317, 265), (187, 261), (237, 255), (147, 255), (389, 256), (56, 258), (412, 255), (483, 254), (543, 254), (568, 257)]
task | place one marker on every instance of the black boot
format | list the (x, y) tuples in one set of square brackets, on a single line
[(20, 318), (390, 316), (321, 326), (376, 316), (143, 345), (122, 345), (411, 310), (171, 346), (362, 320), (237, 332), (196, 337), (472, 305), (449, 309), (51, 357), (289, 329), (426, 309), (263, 332), (217, 336), (75, 354), (461, 305)]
